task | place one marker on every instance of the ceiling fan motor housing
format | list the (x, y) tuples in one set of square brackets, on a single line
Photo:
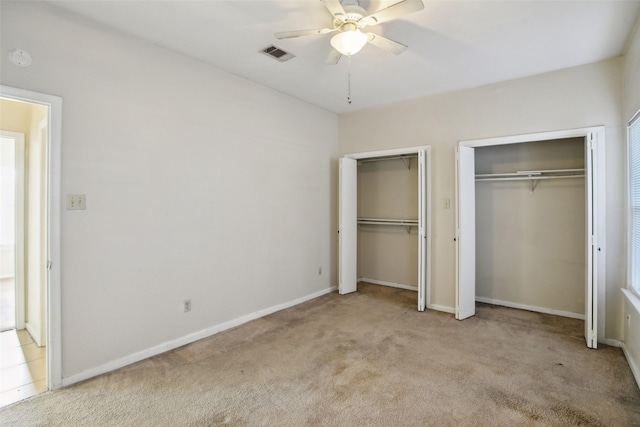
[(353, 14)]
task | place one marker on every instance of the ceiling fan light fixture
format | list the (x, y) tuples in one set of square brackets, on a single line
[(349, 42)]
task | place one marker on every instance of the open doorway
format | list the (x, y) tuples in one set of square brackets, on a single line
[(24, 134)]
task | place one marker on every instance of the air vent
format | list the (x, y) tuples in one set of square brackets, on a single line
[(277, 53)]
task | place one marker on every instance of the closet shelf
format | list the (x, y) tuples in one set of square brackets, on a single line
[(532, 176), (406, 158), (527, 175), (407, 223)]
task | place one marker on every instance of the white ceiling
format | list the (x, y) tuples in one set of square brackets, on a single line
[(452, 44)]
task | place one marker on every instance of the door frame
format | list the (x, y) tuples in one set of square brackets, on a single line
[(594, 145), (54, 198), (424, 220)]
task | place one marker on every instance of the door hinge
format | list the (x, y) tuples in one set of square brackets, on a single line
[(49, 265)]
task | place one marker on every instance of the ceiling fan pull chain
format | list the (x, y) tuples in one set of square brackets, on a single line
[(349, 79)]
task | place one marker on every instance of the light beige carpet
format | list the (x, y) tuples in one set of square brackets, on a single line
[(365, 359)]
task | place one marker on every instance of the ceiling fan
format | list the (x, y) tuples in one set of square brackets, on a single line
[(349, 19)]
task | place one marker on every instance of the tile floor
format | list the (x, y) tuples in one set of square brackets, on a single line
[(22, 367)]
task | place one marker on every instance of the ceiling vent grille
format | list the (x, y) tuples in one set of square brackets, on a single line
[(277, 53)]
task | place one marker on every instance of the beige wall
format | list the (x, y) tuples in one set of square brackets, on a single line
[(530, 246), (15, 116), (578, 97), (36, 223), (632, 75)]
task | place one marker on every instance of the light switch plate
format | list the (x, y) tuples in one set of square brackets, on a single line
[(76, 202)]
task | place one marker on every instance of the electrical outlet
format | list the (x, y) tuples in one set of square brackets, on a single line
[(76, 202), (186, 305)]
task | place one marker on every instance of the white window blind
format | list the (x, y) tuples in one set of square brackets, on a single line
[(634, 184)]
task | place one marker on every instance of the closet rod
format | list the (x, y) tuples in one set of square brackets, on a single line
[(378, 159), (553, 171), (406, 223), (527, 178)]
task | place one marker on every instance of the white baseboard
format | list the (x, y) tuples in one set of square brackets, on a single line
[(632, 364), (390, 284), (443, 308), (34, 335), (531, 308), (187, 339), (611, 342)]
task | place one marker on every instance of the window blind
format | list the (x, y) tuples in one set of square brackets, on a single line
[(634, 184)]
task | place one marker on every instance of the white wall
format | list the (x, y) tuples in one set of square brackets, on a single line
[(578, 97), (199, 185)]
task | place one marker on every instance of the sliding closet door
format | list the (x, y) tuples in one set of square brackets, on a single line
[(422, 229), (466, 233), (347, 231), (591, 294)]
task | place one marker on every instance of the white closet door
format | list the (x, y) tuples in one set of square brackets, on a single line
[(591, 293), (347, 231), (422, 230), (466, 233)]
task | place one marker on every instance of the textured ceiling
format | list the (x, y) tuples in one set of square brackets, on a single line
[(452, 44)]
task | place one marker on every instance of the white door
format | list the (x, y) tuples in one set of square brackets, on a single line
[(591, 276), (465, 233), (347, 228), (422, 230)]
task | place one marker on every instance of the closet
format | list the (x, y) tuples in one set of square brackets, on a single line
[(529, 215), (530, 226), (384, 231)]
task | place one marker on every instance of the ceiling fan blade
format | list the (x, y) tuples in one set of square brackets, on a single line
[(405, 7), (335, 7), (334, 57), (386, 44), (291, 34)]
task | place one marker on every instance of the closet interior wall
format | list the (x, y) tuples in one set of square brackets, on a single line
[(388, 254), (530, 244)]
